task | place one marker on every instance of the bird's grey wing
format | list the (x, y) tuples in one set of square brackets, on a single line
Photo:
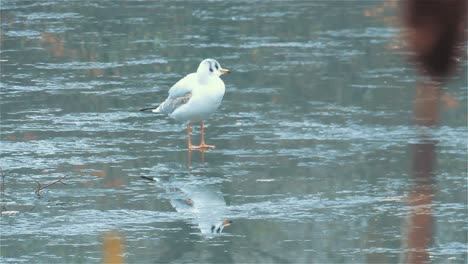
[(179, 94), (183, 86), (171, 104)]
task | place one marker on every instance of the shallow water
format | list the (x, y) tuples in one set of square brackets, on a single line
[(314, 136)]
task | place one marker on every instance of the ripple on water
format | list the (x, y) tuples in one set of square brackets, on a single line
[(78, 65), (45, 154), (48, 16), (23, 33), (86, 222), (13, 5), (383, 33), (300, 208)]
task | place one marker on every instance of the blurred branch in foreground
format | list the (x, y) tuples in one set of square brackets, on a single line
[(436, 34), (435, 31)]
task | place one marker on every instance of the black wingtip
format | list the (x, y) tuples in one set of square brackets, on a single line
[(147, 109), (148, 178)]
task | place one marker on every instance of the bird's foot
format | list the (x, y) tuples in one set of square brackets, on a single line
[(202, 147)]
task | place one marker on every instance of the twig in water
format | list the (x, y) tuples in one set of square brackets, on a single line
[(3, 209), (3, 180), (41, 187)]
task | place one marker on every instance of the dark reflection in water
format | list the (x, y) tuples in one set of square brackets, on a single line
[(312, 136)]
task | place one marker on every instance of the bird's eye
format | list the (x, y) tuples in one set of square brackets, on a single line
[(217, 66)]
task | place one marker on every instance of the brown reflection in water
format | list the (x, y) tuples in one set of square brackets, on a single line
[(429, 101), (107, 175), (24, 137), (435, 32), (189, 156), (426, 104), (386, 14), (56, 45), (112, 248), (419, 229)]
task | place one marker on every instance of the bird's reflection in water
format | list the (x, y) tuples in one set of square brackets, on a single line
[(202, 204), (205, 205), (202, 157), (196, 197)]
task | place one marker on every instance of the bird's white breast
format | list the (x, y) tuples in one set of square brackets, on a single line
[(206, 98)]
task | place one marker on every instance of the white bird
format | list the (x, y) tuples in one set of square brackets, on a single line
[(194, 98)]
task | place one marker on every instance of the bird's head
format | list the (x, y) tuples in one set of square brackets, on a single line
[(210, 67)]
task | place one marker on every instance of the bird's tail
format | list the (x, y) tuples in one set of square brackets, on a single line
[(152, 109)]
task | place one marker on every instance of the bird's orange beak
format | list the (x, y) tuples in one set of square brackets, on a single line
[(227, 223), (225, 71)]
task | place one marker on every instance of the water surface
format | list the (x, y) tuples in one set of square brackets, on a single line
[(314, 137)]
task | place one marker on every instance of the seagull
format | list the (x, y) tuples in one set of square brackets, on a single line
[(194, 98)]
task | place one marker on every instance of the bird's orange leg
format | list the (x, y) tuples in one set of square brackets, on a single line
[(202, 145)]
